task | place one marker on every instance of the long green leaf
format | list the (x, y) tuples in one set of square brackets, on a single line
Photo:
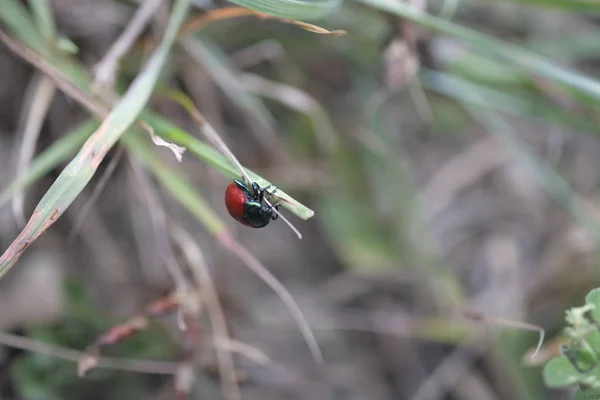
[(15, 16), (81, 169)]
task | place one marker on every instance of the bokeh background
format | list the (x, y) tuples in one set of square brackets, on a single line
[(444, 181)]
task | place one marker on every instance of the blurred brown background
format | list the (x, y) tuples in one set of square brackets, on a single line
[(422, 213)]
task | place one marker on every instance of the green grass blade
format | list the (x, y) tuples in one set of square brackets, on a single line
[(81, 169), (16, 18), (50, 158), (182, 190), (38, 98), (42, 14), (292, 9), (482, 96), (492, 47), (224, 75)]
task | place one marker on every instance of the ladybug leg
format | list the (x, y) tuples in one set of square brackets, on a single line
[(258, 192), (261, 192), (274, 215)]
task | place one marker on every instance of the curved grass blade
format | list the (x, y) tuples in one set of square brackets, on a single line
[(174, 183), (292, 9), (16, 18), (81, 169), (43, 17), (224, 75), (38, 98), (198, 22)]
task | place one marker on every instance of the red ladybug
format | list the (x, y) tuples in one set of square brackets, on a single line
[(246, 205)]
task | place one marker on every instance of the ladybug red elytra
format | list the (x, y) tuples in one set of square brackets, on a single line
[(245, 204)]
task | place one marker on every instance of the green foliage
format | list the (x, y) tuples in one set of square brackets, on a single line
[(560, 372), (579, 363), (593, 297)]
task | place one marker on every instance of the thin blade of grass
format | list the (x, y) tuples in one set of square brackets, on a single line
[(43, 17), (159, 222), (292, 9), (81, 169), (50, 158), (298, 100), (40, 93), (175, 183), (197, 263), (197, 23), (91, 356), (106, 70), (16, 18), (101, 184), (225, 76), (64, 353)]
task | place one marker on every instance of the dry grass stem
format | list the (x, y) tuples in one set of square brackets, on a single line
[(121, 364), (197, 263), (38, 99), (106, 70)]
